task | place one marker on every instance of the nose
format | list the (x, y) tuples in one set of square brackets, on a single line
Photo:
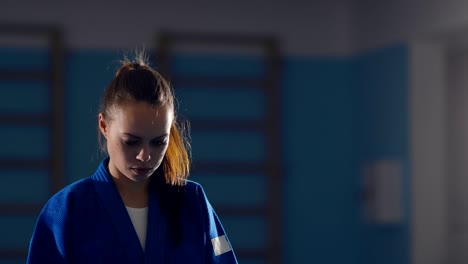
[(144, 155)]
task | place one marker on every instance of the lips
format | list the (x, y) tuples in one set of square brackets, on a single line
[(141, 171)]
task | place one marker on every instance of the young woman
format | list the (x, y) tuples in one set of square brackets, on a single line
[(138, 207)]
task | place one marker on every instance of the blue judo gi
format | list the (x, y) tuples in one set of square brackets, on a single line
[(87, 222)]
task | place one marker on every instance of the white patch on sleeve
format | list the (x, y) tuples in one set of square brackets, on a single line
[(220, 245)]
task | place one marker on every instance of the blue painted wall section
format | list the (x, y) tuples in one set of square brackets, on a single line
[(319, 181), (88, 73), (380, 85)]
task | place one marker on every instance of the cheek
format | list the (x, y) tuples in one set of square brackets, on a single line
[(111, 146), (160, 153), (118, 150)]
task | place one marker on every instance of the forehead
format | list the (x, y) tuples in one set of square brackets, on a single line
[(141, 117)]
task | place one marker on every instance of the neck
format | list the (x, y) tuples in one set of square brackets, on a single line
[(133, 194)]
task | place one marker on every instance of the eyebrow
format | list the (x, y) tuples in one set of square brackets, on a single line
[(137, 137)]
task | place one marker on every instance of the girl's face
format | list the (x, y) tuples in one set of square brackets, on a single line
[(137, 137)]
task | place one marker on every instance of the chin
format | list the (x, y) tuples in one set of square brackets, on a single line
[(139, 177)]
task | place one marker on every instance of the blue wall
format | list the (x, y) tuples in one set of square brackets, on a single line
[(380, 85), (320, 182), (87, 75), (337, 113)]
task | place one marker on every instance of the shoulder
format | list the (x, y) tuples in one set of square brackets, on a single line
[(66, 197), (79, 187), (196, 197), (193, 188)]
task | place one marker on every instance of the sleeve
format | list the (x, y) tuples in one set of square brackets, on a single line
[(219, 249), (49, 240)]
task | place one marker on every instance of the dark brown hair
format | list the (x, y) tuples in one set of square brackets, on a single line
[(136, 81)]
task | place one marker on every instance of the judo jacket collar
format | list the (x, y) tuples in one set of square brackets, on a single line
[(118, 216)]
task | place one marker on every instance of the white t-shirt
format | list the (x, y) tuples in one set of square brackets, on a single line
[(139, 217)]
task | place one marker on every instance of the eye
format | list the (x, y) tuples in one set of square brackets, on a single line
[(130, 142), (159, 142)]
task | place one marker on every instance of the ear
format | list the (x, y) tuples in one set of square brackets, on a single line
[(102, 123)]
